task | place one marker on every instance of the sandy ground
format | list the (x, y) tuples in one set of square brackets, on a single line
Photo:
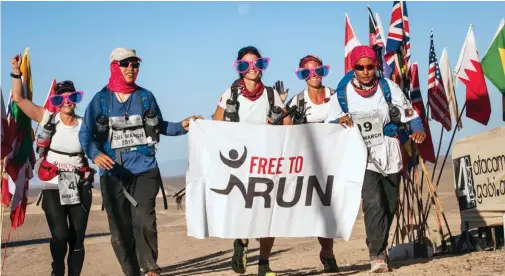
[(28, 249)]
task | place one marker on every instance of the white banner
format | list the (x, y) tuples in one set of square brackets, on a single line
[(253, 181)]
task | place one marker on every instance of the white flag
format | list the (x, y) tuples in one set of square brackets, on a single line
[(447, 79)]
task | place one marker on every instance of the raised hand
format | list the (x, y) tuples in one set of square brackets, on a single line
[(279, 86)]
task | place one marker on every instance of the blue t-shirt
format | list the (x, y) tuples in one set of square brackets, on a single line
[(133, 161)]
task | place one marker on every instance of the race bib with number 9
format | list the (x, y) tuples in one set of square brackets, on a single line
[(67, 186), (371, 128)]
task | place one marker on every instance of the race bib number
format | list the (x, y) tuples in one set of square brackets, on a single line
[(371, 128), (125, 134), (67, 185)]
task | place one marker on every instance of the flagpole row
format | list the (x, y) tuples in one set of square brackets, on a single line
[(445, 158)]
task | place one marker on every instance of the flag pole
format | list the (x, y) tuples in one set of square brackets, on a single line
[(445, 158)]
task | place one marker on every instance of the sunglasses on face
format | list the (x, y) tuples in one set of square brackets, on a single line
[(59, 100), (305, 73), (243, 66), (369, 67), (126, 63)]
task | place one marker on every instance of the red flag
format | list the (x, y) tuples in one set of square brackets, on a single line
[(426, 149), (47, 105), (351, 41), (469, 71)]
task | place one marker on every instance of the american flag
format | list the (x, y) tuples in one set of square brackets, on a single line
[(437, 99)]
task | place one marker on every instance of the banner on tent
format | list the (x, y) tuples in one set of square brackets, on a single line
[(252, 181), (479, 178)]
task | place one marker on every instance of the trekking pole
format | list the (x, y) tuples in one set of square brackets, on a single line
[(164, 197), (433, 192)]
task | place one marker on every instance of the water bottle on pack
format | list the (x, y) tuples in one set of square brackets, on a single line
[(230, 112), (102, 128), (44, 138), (151, 124), (276, 113)]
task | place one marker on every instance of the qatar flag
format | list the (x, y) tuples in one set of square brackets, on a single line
[(469, 71)]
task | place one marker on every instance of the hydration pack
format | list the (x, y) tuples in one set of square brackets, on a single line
[(392, 127), (105, 106), (300, 117), (234, 100), (46, 170)]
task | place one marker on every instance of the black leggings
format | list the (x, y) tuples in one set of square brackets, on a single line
[(67, 224)]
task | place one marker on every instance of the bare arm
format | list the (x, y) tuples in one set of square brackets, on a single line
[(287, 120), (31, 110), (219, 114)]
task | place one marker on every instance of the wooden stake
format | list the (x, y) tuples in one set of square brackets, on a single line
[(433, 192)]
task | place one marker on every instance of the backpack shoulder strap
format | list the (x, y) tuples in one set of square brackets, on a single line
[(332, 91), (300, 99), (144, 98), (386, 90), (341, 91), (104, 100), (270, 94)]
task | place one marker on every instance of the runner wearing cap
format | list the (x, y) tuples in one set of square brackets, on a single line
[(120, 134), (249, 101), (312, 107), (63, 169), (379, 108)]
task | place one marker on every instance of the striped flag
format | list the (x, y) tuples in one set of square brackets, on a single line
[(406, 37), (426, 149), (6, 141), (380, 40), (447, 78), (351, 41), (437, 99), (395, 34), (19, 163)]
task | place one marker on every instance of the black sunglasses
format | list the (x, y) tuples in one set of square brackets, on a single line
[(126, 63), (369, 67)]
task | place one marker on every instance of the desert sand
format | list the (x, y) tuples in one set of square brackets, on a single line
[(28, 249)]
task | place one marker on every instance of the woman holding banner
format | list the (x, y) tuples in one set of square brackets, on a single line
[(312, 107), (248, 100), (66, 177), (378, 107)]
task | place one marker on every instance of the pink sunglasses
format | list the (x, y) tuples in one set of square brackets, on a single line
[(305, 73), (59, 100), (243, 66)]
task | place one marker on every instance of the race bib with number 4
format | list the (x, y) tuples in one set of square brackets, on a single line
[(371, 127), (67, 185)]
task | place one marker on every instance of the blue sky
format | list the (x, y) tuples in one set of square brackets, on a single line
[(188, 47)]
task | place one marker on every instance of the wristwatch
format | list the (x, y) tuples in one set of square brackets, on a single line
[(16, 76)]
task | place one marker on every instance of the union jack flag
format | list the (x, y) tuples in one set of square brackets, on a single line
[(437, 99), (406, 36), (395, 34)]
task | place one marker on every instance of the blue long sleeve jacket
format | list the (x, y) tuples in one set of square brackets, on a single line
[(135, 162)]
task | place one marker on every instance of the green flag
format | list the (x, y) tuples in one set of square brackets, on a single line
[(493, 62)]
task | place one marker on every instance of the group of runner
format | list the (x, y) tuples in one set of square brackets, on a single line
[(121, 129)]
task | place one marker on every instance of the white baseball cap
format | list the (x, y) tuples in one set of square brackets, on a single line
[(119, 54)]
